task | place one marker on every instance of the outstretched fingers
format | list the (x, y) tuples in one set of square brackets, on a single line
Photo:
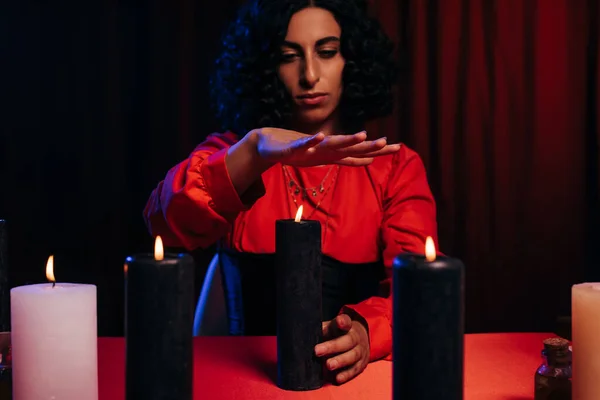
[(373, 148), (336, 142), (389, 149), (351, 150)]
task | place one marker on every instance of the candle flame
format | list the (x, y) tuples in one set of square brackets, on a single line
[(299, 214), (429, 249), (50, 269), (159, 252)]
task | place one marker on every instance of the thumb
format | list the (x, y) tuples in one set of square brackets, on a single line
[(307, 142), (337, 326), (343, 322)]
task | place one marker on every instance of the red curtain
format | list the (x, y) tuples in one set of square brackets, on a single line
[(500, 98)]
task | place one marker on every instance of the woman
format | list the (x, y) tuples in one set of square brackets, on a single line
[(294, 87)]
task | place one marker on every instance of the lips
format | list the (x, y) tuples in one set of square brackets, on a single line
[(312, 98)]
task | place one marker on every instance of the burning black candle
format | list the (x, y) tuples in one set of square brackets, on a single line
[(158, 326), (428, 327), (299, 303)]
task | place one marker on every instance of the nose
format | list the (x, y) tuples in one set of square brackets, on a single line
[(311, 73)]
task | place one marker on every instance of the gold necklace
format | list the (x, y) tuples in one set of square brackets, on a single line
[(295, 189)]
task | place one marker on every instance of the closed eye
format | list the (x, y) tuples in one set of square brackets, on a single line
[(328, 53), (288, 57)]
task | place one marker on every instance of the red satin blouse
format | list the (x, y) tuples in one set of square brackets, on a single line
[(366, 213)]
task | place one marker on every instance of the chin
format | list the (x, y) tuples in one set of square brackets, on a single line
[(315, 117)]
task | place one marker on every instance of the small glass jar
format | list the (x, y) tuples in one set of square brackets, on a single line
[(553, 377)]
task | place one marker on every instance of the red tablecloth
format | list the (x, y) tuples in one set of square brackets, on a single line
[(497, 367)]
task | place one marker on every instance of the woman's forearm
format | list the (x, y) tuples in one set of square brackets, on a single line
[(244, 164)]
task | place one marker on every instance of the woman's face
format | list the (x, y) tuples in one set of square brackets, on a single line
[(311, 66)]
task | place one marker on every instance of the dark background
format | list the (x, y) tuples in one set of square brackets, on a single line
[(500, 98)]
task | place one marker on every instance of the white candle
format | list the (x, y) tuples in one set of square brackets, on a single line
[(586, 345), (54, 342)]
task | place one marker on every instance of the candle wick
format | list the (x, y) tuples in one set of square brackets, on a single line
[(53, 284)]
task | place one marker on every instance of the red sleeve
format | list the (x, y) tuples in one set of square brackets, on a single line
[(196, 203), (409, 217)]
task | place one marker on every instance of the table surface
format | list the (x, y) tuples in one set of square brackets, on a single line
[(497, 367)]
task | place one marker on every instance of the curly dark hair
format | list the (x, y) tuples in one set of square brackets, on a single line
[(245, 86)]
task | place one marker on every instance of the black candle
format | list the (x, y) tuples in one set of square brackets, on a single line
[(5, 343), (4, 288), (299, 303), (428, 327), (158, 326)]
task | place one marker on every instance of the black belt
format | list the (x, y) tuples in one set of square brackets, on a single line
[(250, 293)]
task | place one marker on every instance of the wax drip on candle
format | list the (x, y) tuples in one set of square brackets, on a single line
[(429, 249), (50, 270), (299, 214)]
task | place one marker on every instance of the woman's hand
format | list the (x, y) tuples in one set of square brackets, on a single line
[(262, 148), (346, 346), (294, 148)]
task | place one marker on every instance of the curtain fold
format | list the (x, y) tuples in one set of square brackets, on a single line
[(501, 110)]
